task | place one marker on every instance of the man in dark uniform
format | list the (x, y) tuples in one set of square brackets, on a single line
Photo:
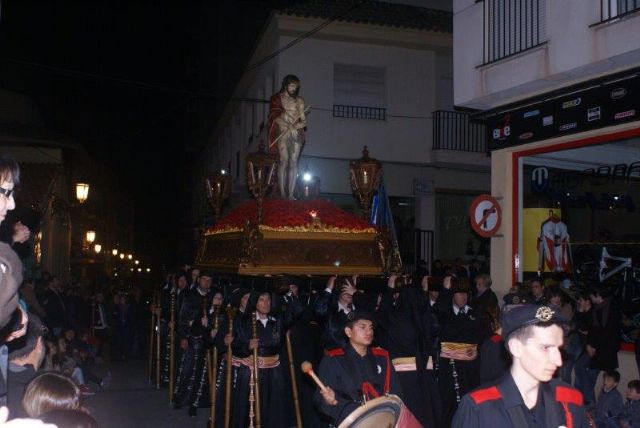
[(461, 333), (193, 329), (528, 396), (276, 406), (354, 371), (332, 307), (407, 317)]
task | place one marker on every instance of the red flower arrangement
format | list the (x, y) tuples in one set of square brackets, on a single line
[(282, 214)]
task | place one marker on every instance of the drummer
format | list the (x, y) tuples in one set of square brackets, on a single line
[(355, 373), (528, 395)]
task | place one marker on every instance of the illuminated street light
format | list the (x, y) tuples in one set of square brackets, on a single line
[(121, 256), (148, 269), (137, 262), (114, 252), (90, 236), (97, 248), (82, 192), (129, 256), (307, 177), (139, 269)]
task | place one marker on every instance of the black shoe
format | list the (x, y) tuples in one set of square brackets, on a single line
[(192, 411)]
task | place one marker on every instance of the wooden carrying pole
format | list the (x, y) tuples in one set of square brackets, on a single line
[(152, 334), (213, 373), (229, 368), (256, 368), (158, 344), (294, 385), (172, 345)]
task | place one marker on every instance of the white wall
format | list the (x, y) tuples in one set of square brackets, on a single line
[(410, 91), (575, 51)]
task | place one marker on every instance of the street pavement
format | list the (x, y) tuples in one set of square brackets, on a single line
[(131, 401)]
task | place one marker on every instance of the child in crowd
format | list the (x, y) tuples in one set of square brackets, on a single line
[(609, 406), (632, 409)]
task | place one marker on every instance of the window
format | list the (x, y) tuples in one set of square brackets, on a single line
[(512, 26), (611, 9), (359, 92)]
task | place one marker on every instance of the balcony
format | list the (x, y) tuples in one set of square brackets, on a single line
[(359, 112), (512, 27), (616, 9), (458, 141)]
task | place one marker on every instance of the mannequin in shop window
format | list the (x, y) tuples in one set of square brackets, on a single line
[(553, 245)]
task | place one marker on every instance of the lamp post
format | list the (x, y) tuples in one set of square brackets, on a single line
[(365, 178), (261, 172), (82, 192), (218, 189)]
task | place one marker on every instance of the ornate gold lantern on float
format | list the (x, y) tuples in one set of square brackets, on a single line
[(261, 175), (218, 190), (365, 179)]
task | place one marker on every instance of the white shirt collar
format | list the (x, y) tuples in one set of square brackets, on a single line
[(344, 308), (456, 309)]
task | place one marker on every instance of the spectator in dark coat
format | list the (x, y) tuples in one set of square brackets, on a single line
[(54, 306), (631, 416), (485, 302), (603, 340), (495, 360), (25, 358), (538, 293), (609, 409)]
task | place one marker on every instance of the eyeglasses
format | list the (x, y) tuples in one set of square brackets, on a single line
[(6, 192)]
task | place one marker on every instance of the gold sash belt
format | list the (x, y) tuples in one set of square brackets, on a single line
[(269, 362), (459, 351), (408, 364)]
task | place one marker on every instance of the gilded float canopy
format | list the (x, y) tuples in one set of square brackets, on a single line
[(295, 237)]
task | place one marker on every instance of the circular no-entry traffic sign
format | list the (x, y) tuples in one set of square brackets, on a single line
[(485, 215)]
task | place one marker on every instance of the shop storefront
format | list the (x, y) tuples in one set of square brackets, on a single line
[(566, 169)]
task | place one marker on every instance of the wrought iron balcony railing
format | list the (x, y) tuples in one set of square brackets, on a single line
[(452, 130), (359, 112)]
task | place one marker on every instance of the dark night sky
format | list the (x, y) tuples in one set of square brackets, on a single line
[(80, 61)]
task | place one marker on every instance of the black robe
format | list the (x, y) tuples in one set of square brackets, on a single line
[(276, 403), (192, 386), (411, 330), (456, 377)]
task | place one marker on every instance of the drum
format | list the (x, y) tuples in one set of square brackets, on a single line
[(381, 412)]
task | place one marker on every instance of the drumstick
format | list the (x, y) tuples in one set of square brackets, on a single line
[(307, 368)]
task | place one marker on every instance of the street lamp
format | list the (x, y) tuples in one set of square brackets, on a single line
[(365, 178), (137, 262), (148, 269), (121, 256), (218, 189), (90, 236), (114, 252), (129, 256), (97, 248), (261, 167), (82, 192)]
